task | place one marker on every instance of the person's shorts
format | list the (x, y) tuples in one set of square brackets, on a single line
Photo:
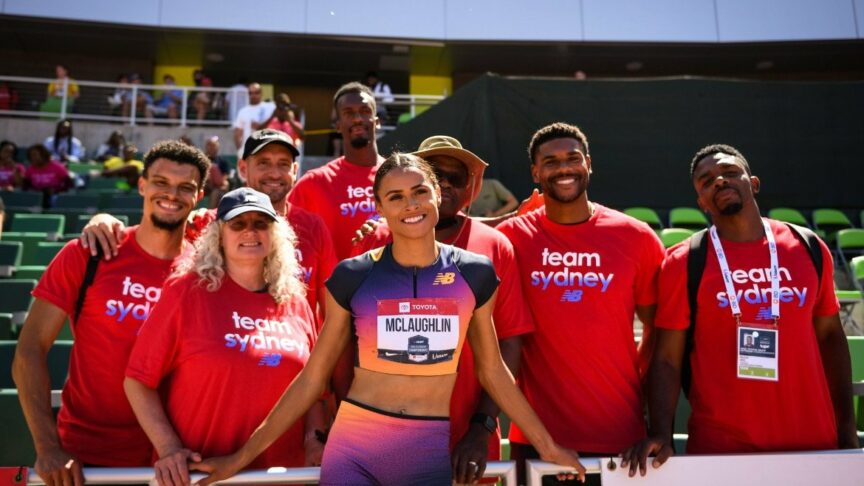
[(367, 446)]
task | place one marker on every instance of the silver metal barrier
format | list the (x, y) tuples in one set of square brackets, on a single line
[(506, 470)]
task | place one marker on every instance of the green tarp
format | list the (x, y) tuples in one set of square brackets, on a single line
[(804, 139)]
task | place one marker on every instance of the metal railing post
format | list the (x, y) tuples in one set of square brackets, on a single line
[(133, 105), (413, 107), (184, 104), (65, 97)]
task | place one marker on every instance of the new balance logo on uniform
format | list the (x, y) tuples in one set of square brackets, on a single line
[(571, 296), (445, 278), (270, 359)]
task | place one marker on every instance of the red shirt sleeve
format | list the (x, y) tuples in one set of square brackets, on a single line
[(826, 300), (649, 266), (62, 279), (153, 355), (673, 311), (511, 314)]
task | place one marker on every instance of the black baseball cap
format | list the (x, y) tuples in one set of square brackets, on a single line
[(243, 200), (261, 138)]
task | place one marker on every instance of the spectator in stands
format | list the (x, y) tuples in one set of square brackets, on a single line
[(187, 140), (96, 425), (126, 167), (382, 93), (169, 102), (494, 200), (798, 396), (8, 96), (251, 117), (44, 174), (237, 97), (113, 147), (285, 120), (11, 171), (335, 137), (202, 99), (63, 83), (585, 269), (64, 146), (193, 348), (121, 93), (142, 99), (2, 216), (220, 170)]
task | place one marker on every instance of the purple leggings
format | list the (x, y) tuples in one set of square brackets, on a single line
[(367, 446)]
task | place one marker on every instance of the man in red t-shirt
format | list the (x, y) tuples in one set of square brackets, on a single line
[(767, 374), (341, 191), (268, 165), (474, 433), (96, 425), (585, 270)]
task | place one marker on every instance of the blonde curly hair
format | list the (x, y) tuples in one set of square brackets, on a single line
[(282, 271)]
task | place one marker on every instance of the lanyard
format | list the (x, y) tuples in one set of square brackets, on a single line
[(727, 274)]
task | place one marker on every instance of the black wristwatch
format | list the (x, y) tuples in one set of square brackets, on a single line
[(487, 421)]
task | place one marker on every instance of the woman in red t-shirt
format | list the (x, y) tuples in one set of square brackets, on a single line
[(231, 330), (44, 174)]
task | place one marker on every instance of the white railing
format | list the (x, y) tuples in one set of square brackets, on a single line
[(837, 468), (404, 104), (505, 470), (93, 101)]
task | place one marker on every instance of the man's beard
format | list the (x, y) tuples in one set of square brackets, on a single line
[(552, 191), (165, 224), (732, 209), (359, 142)]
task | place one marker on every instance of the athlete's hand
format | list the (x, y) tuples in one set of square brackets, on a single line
[(566, 457), (217, 468), (534, 201), (366, 229), (314, 451), (57, 468), (172, 469), (637, 456), (103, 230), (469, 455)]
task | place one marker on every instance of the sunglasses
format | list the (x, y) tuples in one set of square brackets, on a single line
[(239, 225), (458, 179)]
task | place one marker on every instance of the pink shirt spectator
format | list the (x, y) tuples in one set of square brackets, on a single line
[(52, 176), (8, 175)]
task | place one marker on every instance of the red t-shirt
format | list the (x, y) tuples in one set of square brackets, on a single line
[(314, 250), (510, 316), (52, 175), (8, 173), (341, 193), (221, 360), (285, 127), (96, 423), (735, 415), (580, 370)]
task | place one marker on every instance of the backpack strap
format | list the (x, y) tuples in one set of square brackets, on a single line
[(89, 275), (811, 241), (695, 267)]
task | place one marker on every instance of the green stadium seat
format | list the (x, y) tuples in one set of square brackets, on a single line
[(857, 266), (850, 243), (646, 215), (30, 241), (689, 218), (30, 272), (830, 221), (789, 215), (52, 224), (10, 257), (15, 298), (22, 201), (861, 218), (46, 251), (16, 444), (124, 201), (404, 118), (6, 329), (58, 363), (856, 352), (82, 202), (103, 183), (82, 168), (132, 215), (672, 236)]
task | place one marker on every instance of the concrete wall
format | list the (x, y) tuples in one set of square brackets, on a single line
[(442, 20)]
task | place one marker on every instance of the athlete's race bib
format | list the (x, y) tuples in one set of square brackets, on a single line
[(418, 331)]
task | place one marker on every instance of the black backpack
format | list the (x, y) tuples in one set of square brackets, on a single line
[(696, 266)]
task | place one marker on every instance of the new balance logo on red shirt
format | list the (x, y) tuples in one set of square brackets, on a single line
[(571, 296)]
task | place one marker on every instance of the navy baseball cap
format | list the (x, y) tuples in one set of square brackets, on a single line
[(262, 138), (243, 200)]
